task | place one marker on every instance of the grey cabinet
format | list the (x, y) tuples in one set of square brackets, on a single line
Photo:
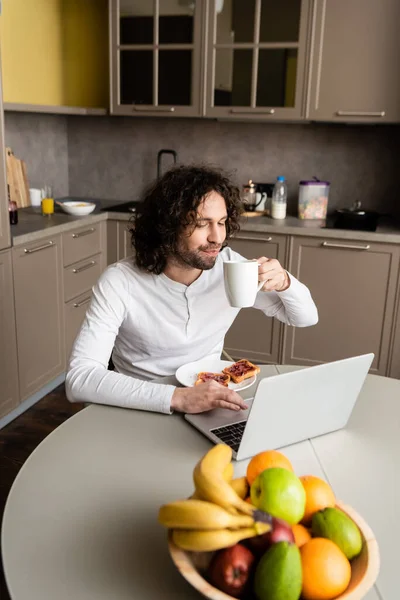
[(394, 370), (255, 59), (155, 51), (5, 239), (353, 284), (9, 395), (38, 292), (252, 334), (118, 241), (354, 61)]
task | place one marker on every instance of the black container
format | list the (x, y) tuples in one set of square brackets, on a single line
[(362, 220)]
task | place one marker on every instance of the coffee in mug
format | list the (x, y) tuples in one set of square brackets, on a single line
[(241, 282)]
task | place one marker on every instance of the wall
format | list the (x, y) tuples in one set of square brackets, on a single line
[(115, 157), (40, 140), (49, 49)]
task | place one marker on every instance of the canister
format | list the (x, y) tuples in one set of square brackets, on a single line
[(313, 199)]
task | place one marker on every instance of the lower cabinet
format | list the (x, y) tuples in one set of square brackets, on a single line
[(9, 394), (74, 314), (394, 370), (353, 284), (118, 241), (39, 313), (253, 335)]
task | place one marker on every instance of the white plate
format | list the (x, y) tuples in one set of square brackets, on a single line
[(187, 374), (77, 208)]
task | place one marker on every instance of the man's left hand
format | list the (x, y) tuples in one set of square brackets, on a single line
[(275, 277)]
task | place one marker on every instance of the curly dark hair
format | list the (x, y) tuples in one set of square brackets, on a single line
[(170, 205)]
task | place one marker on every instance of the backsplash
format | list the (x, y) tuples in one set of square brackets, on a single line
[(40, 140), (117, 156)]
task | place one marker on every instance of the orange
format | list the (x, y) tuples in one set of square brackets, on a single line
[(319, 495), (326, 570), (266, 460), (301, 535)]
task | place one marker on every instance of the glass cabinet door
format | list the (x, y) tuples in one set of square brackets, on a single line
[(155, 57), (256, 58)]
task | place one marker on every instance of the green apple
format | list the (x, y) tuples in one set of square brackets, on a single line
[(280, 493)]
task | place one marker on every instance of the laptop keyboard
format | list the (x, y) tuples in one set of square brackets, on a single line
[(231, 435)]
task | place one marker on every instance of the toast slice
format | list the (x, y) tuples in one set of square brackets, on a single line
[(240, 370), (222, 378)]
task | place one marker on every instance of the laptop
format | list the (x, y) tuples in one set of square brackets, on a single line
[(289, 408)]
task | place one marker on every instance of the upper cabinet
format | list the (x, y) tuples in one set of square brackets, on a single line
[(255, 59), (156, 57), (354, 70), (5, 238)]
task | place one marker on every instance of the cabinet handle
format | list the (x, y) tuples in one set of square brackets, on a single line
[(360, 113), (82, 233), (348, 246), (154, 109), (248, 111), (84, 267), (31, 250), (82, 302), (252, 239)]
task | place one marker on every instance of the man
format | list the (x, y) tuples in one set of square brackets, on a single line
[(167, 306)]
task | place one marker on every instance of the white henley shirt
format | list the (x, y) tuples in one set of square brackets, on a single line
[(152, 325)]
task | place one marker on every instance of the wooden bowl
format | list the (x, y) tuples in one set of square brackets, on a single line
[(364, 568)]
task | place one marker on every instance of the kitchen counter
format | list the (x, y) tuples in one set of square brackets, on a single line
[(33, 226)]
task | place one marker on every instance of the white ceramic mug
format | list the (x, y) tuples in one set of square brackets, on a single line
[(36, 196), (241, 282)]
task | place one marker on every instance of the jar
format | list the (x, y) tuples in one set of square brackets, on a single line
[(313, 199)]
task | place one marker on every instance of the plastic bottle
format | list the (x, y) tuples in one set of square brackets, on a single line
[(279, 197)]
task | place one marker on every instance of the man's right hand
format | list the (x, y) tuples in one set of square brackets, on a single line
[(206, 396)]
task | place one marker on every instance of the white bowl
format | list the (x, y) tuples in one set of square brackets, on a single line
[(76, 208)]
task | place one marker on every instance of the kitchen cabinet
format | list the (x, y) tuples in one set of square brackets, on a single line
[(155, 52), (256, 58), (394, 370), (5, 238), (118, 241), (9, 395), (38, 292), (353, 284), (252, 334), (354, 71), (84, 259)]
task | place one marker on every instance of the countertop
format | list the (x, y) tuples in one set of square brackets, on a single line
[(33, 226)]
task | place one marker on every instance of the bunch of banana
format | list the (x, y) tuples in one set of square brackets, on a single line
[(216, 516)]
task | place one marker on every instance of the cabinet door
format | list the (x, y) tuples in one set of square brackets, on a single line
[(353, 284), (355, 75), (75, 312), (5, 238), (394, 370), (9, 397), (155, 57), (256, 54), (39, 313), (124, 240), (253, 335)]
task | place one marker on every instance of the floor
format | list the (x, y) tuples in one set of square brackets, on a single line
[(20, 438)]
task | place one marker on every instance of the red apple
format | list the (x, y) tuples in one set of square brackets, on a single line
[(280, 532), (230, 569)]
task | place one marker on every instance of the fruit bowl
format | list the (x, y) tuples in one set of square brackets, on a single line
[(364, 568)]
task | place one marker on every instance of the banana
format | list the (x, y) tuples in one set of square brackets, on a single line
[(206, 541), (241, 487), (210, 483), (227, 474), (198, 514)]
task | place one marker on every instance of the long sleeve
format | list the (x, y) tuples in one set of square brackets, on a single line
[(88, 378), (294, 306)]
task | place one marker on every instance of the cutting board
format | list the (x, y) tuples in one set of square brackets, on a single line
[(17, 179)]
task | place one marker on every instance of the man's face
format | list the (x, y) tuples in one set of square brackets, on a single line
[(198, 249)]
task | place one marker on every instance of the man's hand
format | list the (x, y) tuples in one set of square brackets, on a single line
[(274, 275), (206, 396)]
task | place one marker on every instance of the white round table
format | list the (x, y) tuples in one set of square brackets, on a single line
[(81, 518)]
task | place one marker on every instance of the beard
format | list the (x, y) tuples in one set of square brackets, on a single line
[(195, 259)]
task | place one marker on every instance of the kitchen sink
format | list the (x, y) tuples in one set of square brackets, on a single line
[(124, 207)]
